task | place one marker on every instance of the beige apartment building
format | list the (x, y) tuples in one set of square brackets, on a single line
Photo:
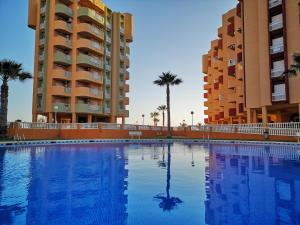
[(81, 61), (224, 74), (269, 35)]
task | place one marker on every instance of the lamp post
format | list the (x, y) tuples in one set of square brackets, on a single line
[(55, 113), (143, 119), (192, 113)]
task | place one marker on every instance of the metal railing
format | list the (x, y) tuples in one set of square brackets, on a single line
[(278, 129)]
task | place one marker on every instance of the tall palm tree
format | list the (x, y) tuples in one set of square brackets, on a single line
[(9, 70), (167, 201), (154, 116), (192, 113), (294, 68), (162, 108), (168, 79)]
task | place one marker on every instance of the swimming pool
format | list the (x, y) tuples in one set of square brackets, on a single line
[(150, 184)]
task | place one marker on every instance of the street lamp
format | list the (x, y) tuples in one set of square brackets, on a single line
[(143, 119), (192, 113), (55, 113)]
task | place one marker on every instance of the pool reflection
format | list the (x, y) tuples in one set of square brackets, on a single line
[(252, 185)]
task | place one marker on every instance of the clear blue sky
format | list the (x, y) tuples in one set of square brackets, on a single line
[(169, 35)]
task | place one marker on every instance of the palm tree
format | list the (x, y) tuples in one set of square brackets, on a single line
[(192, 113), (162, 108), (294, 68), (168, 202), (154, 116), (9, 70), (168, 79)]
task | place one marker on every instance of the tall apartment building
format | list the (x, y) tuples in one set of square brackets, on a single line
[(272, 36), (81, 61), (265, 35), (224, 73)]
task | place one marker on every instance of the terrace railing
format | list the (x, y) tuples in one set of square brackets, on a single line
[(279, 129)]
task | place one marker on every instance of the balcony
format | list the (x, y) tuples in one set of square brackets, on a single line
[(107, 95), (90, 15), (277, 72), (108, 39), (216, 86), (42, 41), (91, 31), (126, 101), (108, 25), (40, 90), (276, 25), (230, 30), (63, 10), (122, 30), (205, 79), (278, 97), (62, 58), (126, 88), (61, 74), (108, 52), (87, 60), (41, 74), (274, 3), (232, 112), (63, 26), (127, 75), (205, 95), (43, 10), (42, 25), (107, 110), (122, 70), (88, 108), (41, 57), (89, 92), (61, 91), (277, 49), (62, 42), (89, 76), (89, 45), (107, 67), (231, 70), (61, 107), (124, 113)]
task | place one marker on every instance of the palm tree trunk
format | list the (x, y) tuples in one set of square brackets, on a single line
[(163, 118), (4, 102), (168, 110)]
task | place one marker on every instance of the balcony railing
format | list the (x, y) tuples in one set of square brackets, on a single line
[(61, 107), (88, 108), (91, 14), (274, 3), (62, 58), (63, 9), (278, 97), (277, 72), (42, 25), (43, 9), (276, 49), (276, 25), (42, 41)]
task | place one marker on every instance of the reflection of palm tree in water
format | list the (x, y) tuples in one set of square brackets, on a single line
[(7, 211), (162, 163), (168, 202)]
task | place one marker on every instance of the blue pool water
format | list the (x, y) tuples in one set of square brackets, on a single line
[(150, 184)]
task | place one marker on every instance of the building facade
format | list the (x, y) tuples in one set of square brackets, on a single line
[(81, 61), (268, 35), (224, 73)]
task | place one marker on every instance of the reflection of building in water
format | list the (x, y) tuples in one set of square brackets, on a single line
[(253, 185), (78, 185)]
